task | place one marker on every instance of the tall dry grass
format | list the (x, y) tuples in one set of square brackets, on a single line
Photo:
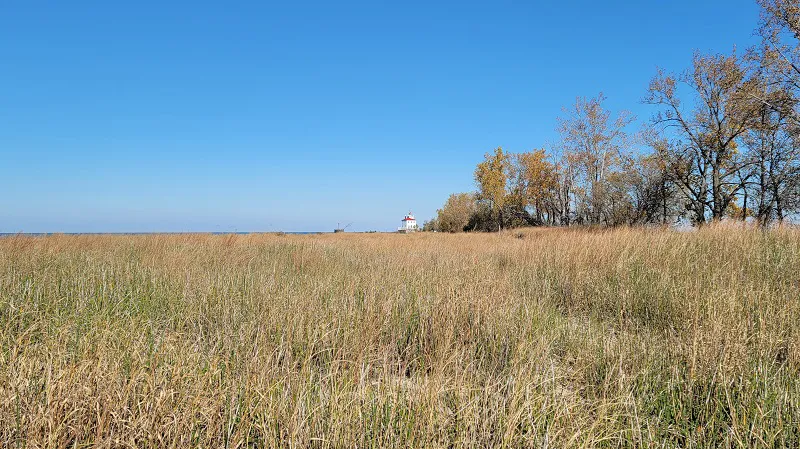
[(539, 338)]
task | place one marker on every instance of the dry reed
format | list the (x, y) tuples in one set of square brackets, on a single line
[(535, 338)]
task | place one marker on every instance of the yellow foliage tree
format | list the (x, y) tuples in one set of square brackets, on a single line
[(491, 176), (456, 212), (533, 179)]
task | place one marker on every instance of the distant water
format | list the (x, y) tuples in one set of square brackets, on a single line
[(44, 234)]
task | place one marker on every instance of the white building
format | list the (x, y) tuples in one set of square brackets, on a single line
[(409, 224)]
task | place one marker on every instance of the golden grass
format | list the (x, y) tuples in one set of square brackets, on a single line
[(558, 338)]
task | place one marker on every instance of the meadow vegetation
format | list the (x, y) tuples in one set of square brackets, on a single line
[(525, 338)]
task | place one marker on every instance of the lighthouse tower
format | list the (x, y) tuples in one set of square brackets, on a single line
[(409, 224)]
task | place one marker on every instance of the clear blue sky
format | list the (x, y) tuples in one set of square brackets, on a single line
[(262, 116)]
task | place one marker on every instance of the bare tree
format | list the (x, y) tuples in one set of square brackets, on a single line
[(775, 154), (593, 142), (779, 54), (656, 197), (705, 159), (563, 194)]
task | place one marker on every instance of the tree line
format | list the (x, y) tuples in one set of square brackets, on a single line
[(724, 142)]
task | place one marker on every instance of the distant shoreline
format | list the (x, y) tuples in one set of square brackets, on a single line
[(45, 234)]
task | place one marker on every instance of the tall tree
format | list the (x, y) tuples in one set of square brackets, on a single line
[(491, 176), (775, 140), (593, 143), (779, 54), (654, 196), (563, 193), (533, 180), (774, 151), (705, 161)]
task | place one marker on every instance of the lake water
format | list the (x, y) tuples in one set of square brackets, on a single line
[(43, 234)]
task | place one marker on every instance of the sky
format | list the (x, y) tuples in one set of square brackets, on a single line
[(295, 116)]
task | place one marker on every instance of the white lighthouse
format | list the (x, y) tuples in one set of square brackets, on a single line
[(409, 224)]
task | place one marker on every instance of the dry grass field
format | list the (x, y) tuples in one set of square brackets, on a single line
[(535, 338)]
